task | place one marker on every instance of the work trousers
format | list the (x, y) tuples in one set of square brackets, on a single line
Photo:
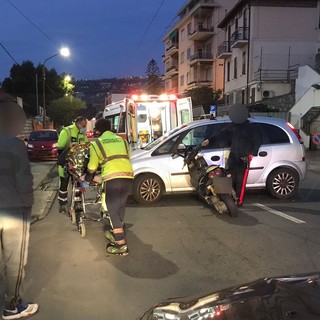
[(14, 242), (63, 189), (117, 192)]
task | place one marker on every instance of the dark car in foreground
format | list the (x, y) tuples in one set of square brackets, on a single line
[(42, 145), (276, 298)]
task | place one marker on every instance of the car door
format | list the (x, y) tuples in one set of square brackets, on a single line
[(179, 175)]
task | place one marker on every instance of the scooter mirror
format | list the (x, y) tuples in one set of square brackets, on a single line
[(181, 148), (180, 152)]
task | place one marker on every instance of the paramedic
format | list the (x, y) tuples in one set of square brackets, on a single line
[(75, 133), (112, 153)]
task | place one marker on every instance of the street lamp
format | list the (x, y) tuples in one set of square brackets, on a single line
[(63, 52)]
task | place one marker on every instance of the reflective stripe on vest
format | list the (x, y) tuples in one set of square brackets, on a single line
[(109, 176)]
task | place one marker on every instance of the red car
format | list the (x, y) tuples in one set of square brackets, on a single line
[(42, 145)]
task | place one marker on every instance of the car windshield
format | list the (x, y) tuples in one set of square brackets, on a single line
[(43, 136)]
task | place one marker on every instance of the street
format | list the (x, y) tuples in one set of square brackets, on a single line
[(177, 248)]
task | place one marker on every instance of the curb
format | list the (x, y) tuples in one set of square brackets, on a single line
[(50, 200)]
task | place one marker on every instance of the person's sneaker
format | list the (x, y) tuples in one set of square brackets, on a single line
[(117, 249), (22, 310), (109, 236), (63, 208)]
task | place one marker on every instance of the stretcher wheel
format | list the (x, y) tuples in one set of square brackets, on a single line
[(73, 216), (82, 230)]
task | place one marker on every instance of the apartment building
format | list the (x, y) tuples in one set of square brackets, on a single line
[(191, 45), (265, 42)]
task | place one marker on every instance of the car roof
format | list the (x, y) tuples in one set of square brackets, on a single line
[(270, 120)]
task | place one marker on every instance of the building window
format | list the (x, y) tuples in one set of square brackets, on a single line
[(244, 62), (243, 96), (182, 57), (182, 81), (188, 53), (235, 68), (189, 28), (227, 99), (183, 34), (188, 77), (228, 71), (253, 95), (208, 74)]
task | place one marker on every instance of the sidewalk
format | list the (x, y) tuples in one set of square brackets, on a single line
[(45, 186), (313, 160)]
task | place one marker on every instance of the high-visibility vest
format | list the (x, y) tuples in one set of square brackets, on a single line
[(113, 154)]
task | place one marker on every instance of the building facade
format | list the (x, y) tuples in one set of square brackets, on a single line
[(191, 47), (265, 42)]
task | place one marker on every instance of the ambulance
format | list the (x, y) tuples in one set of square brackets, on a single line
[(142, 119)]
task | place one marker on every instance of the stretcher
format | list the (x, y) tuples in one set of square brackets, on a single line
[(78, 158)]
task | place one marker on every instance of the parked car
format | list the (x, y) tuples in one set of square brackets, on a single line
[(279, 166), (42, 144)]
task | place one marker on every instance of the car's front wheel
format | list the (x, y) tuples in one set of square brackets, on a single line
[(283, 183), (147, 189)]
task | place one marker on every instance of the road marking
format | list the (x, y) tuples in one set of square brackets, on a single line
[(279, 213)]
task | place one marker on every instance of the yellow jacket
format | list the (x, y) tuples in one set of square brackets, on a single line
[(113, 154), (68, 136)]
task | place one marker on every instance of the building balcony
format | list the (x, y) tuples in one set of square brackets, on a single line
[(239, 38), (224, 50), (171, 71), (201, 33), (172, 50), (199, 83), (201, 57)]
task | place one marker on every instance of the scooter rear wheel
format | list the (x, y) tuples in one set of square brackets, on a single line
[(230, 204)]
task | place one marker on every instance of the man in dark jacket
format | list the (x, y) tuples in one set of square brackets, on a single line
[(16, 199), (245, 143)]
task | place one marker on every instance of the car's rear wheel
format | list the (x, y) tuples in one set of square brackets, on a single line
[(283, 183), (147, 189)]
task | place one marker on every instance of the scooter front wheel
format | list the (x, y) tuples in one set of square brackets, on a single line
[(230, 204)]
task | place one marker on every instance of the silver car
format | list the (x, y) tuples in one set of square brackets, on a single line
[(279, 166)]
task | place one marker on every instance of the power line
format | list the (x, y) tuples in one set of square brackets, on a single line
[(154, 16), (46, 35), (8, 53), (30, 21)]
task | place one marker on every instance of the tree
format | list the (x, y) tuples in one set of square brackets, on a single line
[(64, 110), (154, 84), (25, 81), (205, 97)]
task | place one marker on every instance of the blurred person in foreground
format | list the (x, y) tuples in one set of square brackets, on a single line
[(16, 199), (245, 141), (75, 133), (112, 153)]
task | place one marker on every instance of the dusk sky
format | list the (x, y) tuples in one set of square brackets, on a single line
[(106, 38)]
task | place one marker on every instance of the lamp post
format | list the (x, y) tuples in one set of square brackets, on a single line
[(63, 52)]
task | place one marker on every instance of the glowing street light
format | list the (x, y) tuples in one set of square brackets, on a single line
[(65, 52)]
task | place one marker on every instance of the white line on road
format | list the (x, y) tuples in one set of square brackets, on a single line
[(279, 213)]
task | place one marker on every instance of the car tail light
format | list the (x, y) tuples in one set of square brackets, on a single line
[(218, 172), (295, 131)]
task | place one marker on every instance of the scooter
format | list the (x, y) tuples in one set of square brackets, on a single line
[(213, 182)]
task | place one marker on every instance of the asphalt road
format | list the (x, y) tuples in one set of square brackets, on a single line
[(177, 248)]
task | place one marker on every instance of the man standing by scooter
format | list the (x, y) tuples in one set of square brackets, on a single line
[(245, 141)]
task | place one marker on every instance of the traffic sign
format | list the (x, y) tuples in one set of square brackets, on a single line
[(316, 138)]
